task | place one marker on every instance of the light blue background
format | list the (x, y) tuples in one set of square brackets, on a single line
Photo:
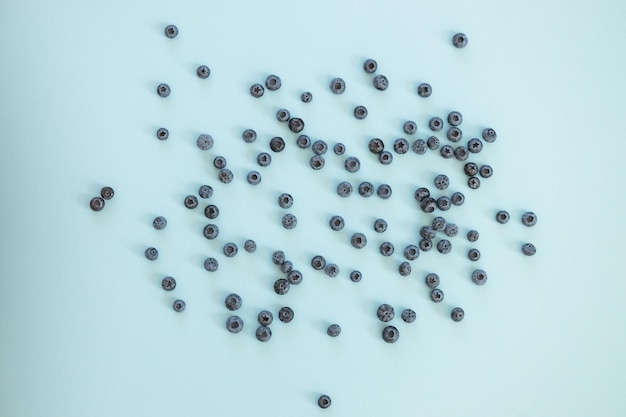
[(87, 330)]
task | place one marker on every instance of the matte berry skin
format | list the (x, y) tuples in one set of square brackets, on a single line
[(404, 269), (159, 223), (303, 141), (444, 246), (254, 177), (436, 295), (457, 314), (474, 145), (234, 324), (318, 262), (408, 315), (454, 134), (473, 255), (250, 246), (428, 205), (470, 169), (205, 191), (219, 162), (420, 146), (249, 135), (366, 189), (152, 254), (337, 86), (433, 143), (352, 164), (211, 264), (233, 302), (384, 191), (385, 157), (286, 267), (179, 306), (385, 313), (421, 194), (438, 224), (336, 223), (485, 171), (171, 31), (502, 216), (257, 90), (273, 82), (332, 270), (461, 153), (370, 66), (409, 127), (211, 211), (230, 250), (358, 240), (391, 334), (281, 286), (168, 283), (285, 200), (455, 118), (446, 151), (339, 149), (441, 182), (306, 97), (435, 124), (473, 183), (162, 133), (264, 159), (473, 235), (211, 231), (317, 162), (278, 257), (107, 193), (529, 249), (265, 318), (360, 112), (427, 232), (294, 277), (489, 135), (319, 147), (285, 314), (400, 146), (529, 219), (283, 115), (263, 333), (411, 252), (96, 203), (380, 82), (459, 40), (163, 90), (296, 124), (277, 144), (451, 230), (376, 146), (380, 225), (333, 330), (386, 249), (432, 280), (356, 276), (479, 277), (203, 72), (191, 202), (424, 90), (344, 189), (425, 245), (324, 401)]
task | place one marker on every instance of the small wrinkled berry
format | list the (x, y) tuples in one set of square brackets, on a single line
[(444, 246), (337, 86), (438, 224), (278, 257), (529, 249), (380, 82), (205, 191), (473, 255), (191, 202), (404, 269), (421, 194), (289, 221), (250, 246), (444, 203), (451, 230), (306, 97), (225, 176), (376, 145), (420, 146), (441, 182), (332, 270), (385, 313), (286, 267), (436, 295), (424, 90), (432, 280), (457, 314), (391, 334), (427, 232), (386, 249), (428, 205), (470, 169)]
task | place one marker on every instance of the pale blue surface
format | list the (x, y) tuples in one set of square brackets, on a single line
[(86, 328)]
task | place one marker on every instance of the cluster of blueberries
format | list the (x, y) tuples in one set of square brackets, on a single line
[(428, 204)]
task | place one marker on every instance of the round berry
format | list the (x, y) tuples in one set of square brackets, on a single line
[(529, 249), (211, 231), (386, 249), (529, 219), (424, 90), (168, 283), (171, 31), (401, 146), (253, 177), (162, 133), (459, 40), (366, 189), (163, 90), (273, 82), (411, 252), (435, 124), (472, 235), (409, 127), (432, 280), (263, 333), (385, 313), (376, 145), (285, 200), (249, 135), (333, 330), (380, 82), (391, 334), (370, 66), (230, 249), (404, 269), (489, 135), (324, 401), (257, 90), (152, 254), (281, 286), (473, 255), (384, 191), (203, 72), (380, 225), (303, 141), (408, 315), (306, 97), (457, 314), (436, 295), (96, 203), (502, 216), (159, 223), (265, 318), (479, 277), (234, 324), (356, 276), (285, 314), (283, 115), (277, 144), (232, 302), (289, 221), (250, 246), (318, 262), (211, 264), (337, 86), (352, 164), (296, 125), (358, 240), (336, 223), (360, 112), (179, 306)]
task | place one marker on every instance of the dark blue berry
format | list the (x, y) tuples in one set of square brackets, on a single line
[(286, 267), (461, 153), (470, 169), (168, 283), (409, 127), (152, 254), (473, 182), (485, 171), (474, 145), (285, 314), (384, 191), (454, 134), (380, 225), (432, 280), (337, 86), (317, 162), (370, 66), (401, 146), (428, 205), (421, 194), (278, 257), (352, 164), (232, 302), (163, 90), (171, 31), (529, 219), (427, 232), (360, 112), (283, 115), (205, 191), (159, 223), (380, 82), (425, 245), (339, 149), (281, 286), (391, 334), (386, 249), (420, 146), (473, 254), (264, 159), (332, 270), (265, 318), (285, 200), (489, 135), (273, 82), (444, 203), (162, 133), (446, 151), (438, 224), (277, 144), (411, 252), (219, 162), (303, 141), (529, 249), (225, 175), (385, 313), (441, 182), (436, 295), (249, 135), (253, 177), (333, 330), (230, 249), (203, 72), (457, 314), (385, 157), (318, 262), (376, 145), (250, 246), (424, 90), (296, 124), (263, 333), (451, 230), (459, 40), (435, 124), (408, 315), (234, 324), (107, 193), (479, 277), (211, 211), (306, 97), (366, 189), (96, 203), (455, 118), (404, 269), (295, 277), (211, 264), (324, 401), (336, 223), (502, 216), (211, 231), (179, 306), (358, 240), (432, 143), (319, 147), (257, 90), (356, 276), (444, 246), (191, 202), (344, 189), (472, 235)]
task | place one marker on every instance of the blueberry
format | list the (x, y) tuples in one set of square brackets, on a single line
[(446, 151), (380, 225), (376, 145), (306, 97), (285, 314), (441, 182), (473, 254), (489, 135), (473, 182), (234, 324), (360, 112), (273, 82), (457, 314), (502, 216), (436, 295), (205, 191), (385, 157), (451, 230), (344, 189), (107, 193), (485, 171), (454, 134), (370, 66), (420, 146), (318, 262), (435, 124), (427, 232), (171, 31), (286, 267), (391, 334), (285, 200), (432, 143), (317, 162), (339, 149), (529, 219), (385, 313), (324, 401), (384, 191), (277, 144), (96, 203), (461, 153), (409, 127), (281, 286), (356, 276), (230, 249), (455, 118), (421, 194), (408, 315), (283, 115), (253, 177), (278, 257), (179, 306), (444, 246), (404, 269), (479, 277), (358, 240), (257, 90), (336, 223), (428, 205), (211, 264), (474, 145), (332, 270), (296, 124), (162, 133), (289, 221), (295, 277), (249, 135), (411, 252), (459, 40), (337, 86), (211, 231), (438, 224), (424, 90), (168, 283), (432, 280), (303, 141), (163, 90), (401, 146), (386, 249), (529, 249), (232, 302), (225, 175), (211, 211), (380, 82), (203, 72), (219, 162), (333, 330), (352, 164), (319, 147), (263, 333), (152, 254), (425, 245), (265, 317), (470, 169), (472, 235), (159, 223), (366, 189), (250, 246), (264, 159)]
